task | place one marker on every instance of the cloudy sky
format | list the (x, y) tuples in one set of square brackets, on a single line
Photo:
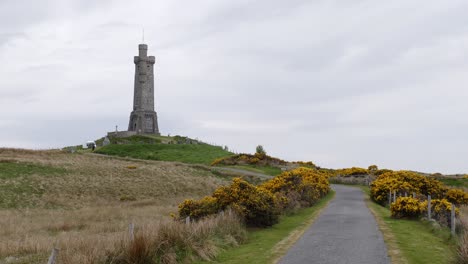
[(341, 83)]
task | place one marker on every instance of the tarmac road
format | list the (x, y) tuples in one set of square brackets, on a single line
[(344, 233)]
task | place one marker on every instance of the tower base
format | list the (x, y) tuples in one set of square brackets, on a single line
[(143, 122)]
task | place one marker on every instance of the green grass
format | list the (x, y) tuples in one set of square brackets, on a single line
[(268, 170), (187, 153), (418, 241), (18, 185), (12, 169), (261, 244), (459, 182)]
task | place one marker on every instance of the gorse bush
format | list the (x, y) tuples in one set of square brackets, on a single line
[(255, 205), (260, 206), (372, 168), (408, 182), (441, 210), (198, 209), (352, 171), (381, 171), (408, 207), (346, 172), (301, 186), (405, 182), (306, 164), (457, 196)]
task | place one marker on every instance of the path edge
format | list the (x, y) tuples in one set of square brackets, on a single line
[(282, 247), (393, 251)]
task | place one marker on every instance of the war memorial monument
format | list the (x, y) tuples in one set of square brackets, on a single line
[(143, 118)]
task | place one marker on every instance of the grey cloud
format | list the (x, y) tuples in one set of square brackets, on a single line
[(342, 84)]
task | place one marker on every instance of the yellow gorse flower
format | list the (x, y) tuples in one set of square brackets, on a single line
[(261, 205)]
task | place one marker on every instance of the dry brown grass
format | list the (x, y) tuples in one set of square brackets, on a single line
[(462, 249), (88, 208), (176, 242)]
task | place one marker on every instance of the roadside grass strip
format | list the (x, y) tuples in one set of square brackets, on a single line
[(270, 244), (413, 241)]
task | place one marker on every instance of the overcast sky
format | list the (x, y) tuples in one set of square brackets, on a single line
[(341, 83)]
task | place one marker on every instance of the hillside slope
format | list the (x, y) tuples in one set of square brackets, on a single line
[(181, 149), (81, 200)]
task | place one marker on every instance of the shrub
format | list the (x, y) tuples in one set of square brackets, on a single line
[(306, 164), (217, 161), (260, 150), (431, 186), (382, 171), (256, 206), (407, 207), (442, 206), (405, 182), (260, 206), (441, 210), (354, 171), (457, 196), (372, 169), (198, 209), (254, 160), (304, 184)]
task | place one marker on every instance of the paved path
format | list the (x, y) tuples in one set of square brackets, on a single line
[(344, 233)]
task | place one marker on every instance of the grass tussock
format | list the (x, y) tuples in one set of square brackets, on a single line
[(462, 249), (177, 242)]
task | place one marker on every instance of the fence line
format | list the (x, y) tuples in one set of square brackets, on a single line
[(393, 197)]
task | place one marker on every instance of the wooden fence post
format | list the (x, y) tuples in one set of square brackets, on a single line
[(187, 220), (452, 219), (53, 256), (131, 229), (390, 198), (429, 207), (394, 196)]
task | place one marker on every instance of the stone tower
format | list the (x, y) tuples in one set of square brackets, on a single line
[(143, 119)]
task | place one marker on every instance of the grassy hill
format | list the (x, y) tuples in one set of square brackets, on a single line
[(84, 202), (79, 199), (176, 148), (201, 153)]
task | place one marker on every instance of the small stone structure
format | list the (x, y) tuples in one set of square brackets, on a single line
[(121, 134), (106, 141), (143, 118)]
